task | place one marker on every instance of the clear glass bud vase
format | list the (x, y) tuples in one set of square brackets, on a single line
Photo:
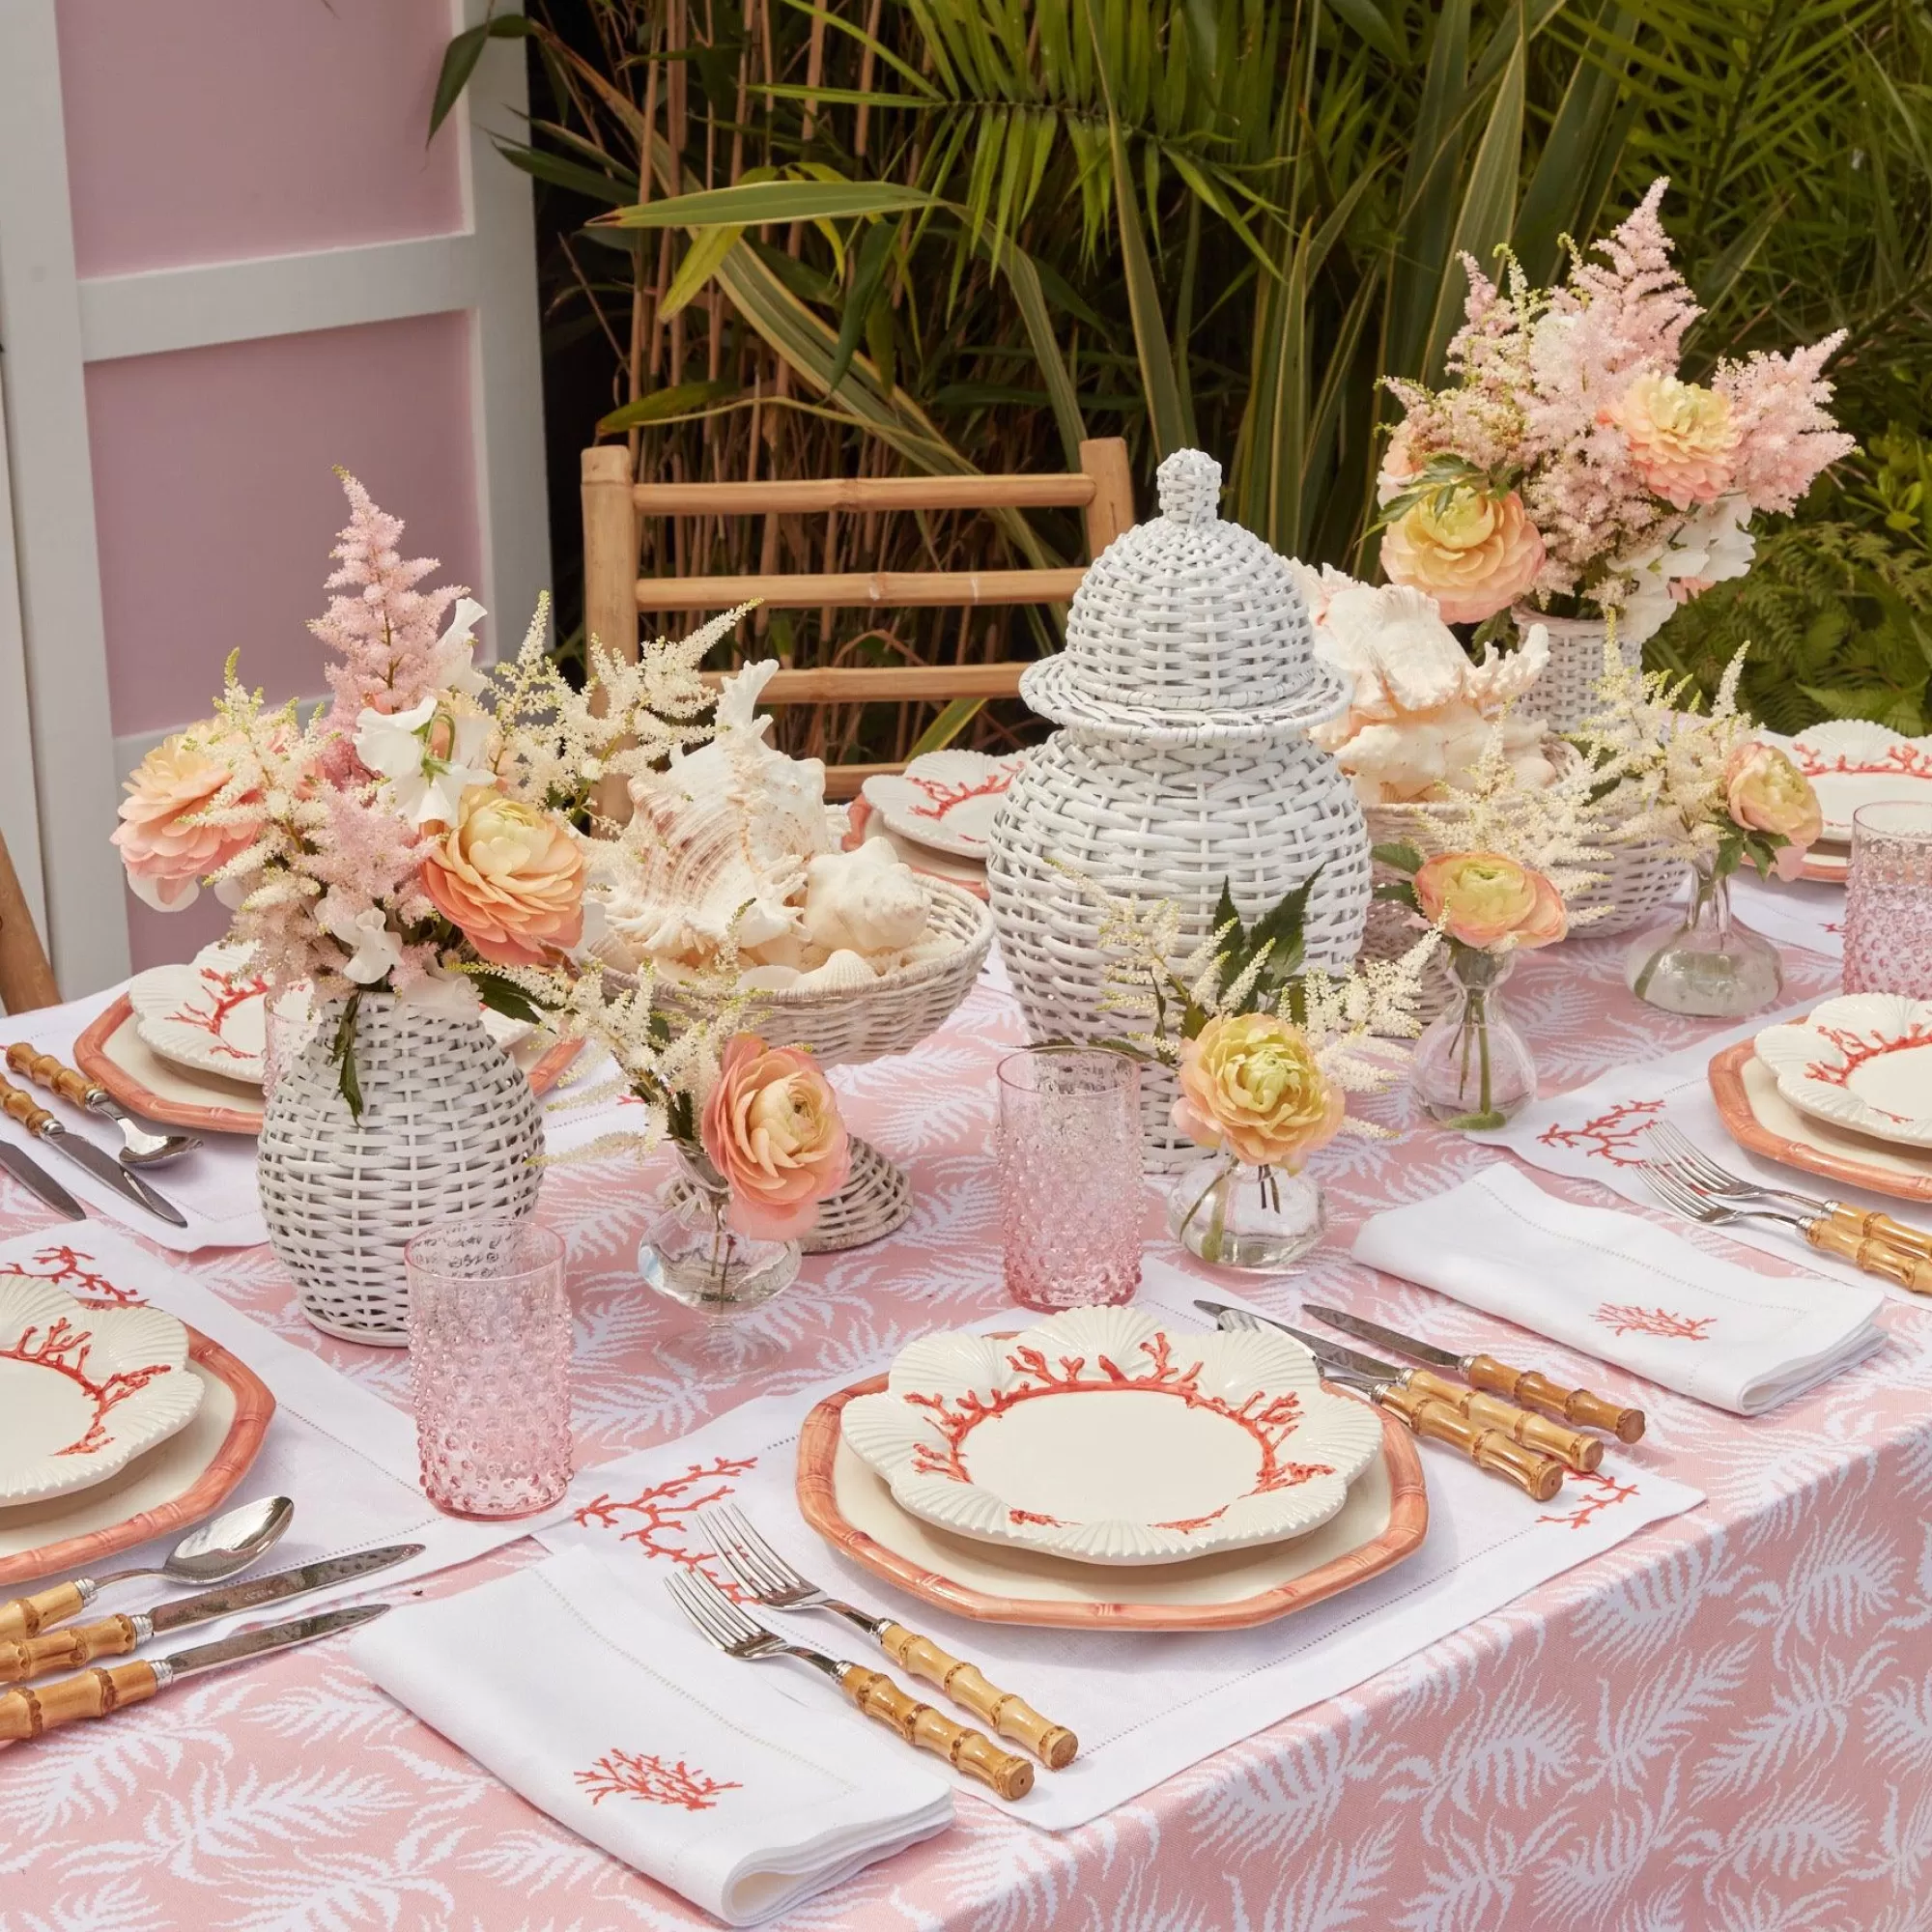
[(692, 1255), (1472, 1069), (1704, 963), (1239, 1216)]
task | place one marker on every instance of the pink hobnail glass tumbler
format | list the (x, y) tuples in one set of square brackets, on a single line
[(1889, 901), (490, 1366), (1073, 1200)]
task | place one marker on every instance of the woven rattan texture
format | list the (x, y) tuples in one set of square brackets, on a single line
[(1566, 693), (449, 1129), (874, 1202)]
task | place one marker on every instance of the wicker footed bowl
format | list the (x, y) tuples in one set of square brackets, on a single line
[(449, 1129)]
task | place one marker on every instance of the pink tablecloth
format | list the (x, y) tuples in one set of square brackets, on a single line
[(1726, 1724)]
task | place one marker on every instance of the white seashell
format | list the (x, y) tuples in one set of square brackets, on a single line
[(770, 979), (867, 900), (842, 969)]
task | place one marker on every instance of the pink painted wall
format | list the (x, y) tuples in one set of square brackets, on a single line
[(213, 130)]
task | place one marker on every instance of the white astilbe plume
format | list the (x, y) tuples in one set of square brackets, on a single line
[(1662, 762)]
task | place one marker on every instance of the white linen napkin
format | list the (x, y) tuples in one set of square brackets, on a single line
[(1626, 1290), (709, 1774)]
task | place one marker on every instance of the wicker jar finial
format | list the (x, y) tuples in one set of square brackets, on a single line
[(1189, 484)]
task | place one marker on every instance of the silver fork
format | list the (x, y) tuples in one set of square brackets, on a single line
[(772, 1580), (1830, 1237), (718, 1621), (1693, 1165)]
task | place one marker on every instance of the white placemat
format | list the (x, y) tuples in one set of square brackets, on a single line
[(343, 1454), (1803, 912), (213, 1187), (1597, 1133), (1146, 1706)]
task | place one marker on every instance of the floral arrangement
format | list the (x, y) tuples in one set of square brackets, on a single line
[(1568, 459), (1701, 784)]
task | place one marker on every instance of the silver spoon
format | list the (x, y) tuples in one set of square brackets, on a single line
[(144, 1148)]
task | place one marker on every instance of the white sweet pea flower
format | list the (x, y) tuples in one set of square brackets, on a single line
[(441, 992), (375, 952), (458, 632), (396, 745), (183, 892)]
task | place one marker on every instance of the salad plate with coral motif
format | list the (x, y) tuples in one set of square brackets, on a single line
[(211, 1014), (947, 800), (1863, 1062), (84, 1389), (1109, 1435), (1852, 761)]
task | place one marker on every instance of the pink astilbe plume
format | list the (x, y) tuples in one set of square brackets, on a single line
[(1788, 436), (386, 630)]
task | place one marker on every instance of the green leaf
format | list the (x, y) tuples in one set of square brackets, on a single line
[(1157, 379), (458, 63), (750, 204), (501, 996), (1399, 857), (342, 1050), (569, 175), (681, 399), (952, 720), (701, 261), (1397, 892), (868, 273), (1373, 25)]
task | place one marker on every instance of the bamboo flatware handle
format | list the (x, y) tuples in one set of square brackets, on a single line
[(26, 1713), (1877, 1227), (45, 1070), (971, 1751), (1533, 1432), (24, 1656), (29, 1616), (23, 1107), (1537, 1475), (1530, 1390), (1871, 1256), (1011, 1716)]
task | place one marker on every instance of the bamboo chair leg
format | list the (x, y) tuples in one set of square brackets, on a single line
[(26, 979)]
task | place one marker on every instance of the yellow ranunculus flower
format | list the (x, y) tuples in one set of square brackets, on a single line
[(1250, 1083)]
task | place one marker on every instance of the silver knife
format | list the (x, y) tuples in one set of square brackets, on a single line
[(25, 1713), (37, 1181), (69, 1648), (103, 1167)]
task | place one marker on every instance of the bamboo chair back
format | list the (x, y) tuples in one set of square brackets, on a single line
[(26, 979), (1101, 488)]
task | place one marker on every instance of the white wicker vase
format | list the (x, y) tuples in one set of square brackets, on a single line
[(1185, 688), (449, 1129), (1566, 693)]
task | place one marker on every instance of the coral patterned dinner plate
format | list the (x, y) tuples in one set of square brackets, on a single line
[(177, 1482), (1852, 761), (83, 1388), (211, 1015), (1863, 1062), (865, 822), (947, 800), (1383, 1520), (1109, 1435)]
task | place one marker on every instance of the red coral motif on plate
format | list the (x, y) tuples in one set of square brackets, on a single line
[(64, 1348), (67, 1268), (1608, 1493), (222, 997), (1034, 1516), (1899, 760), (1628, 1319), (1857, 1050), (1611, 1136), (661, 1517), (941, 798), (1270, 1422), (647, 1776)]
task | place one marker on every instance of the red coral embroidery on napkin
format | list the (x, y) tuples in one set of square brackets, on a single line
[(1609, 1136), (1627, 1318), (67, 1268), (1610, 1494), (649, 1777), (1270, 1427), (64, 1348), (663, 1514)]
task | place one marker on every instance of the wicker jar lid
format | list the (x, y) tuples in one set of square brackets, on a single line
[(1186, 629)]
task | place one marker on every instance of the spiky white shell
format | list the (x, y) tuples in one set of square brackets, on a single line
[(867, 901)]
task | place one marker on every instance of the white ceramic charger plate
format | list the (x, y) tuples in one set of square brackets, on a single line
[(84, 1389), (1107, 1435), (1863, 1062), (1852, 761), (947, 800)]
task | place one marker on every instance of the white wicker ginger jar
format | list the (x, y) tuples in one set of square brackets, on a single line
[(1184, 694), (449, 1129)]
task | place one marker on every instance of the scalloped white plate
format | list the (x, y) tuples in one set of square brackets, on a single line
[(1863, 1062), (84, 1389), (1109, 1435), (947, 800), (211, 1014), (1852, 761)]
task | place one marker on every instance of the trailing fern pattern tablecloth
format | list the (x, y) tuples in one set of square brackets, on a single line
[(1725, 1722)]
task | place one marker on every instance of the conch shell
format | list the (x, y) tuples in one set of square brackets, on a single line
[(865, 901)]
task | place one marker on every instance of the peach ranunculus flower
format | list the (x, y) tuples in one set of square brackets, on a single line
[(166, 843), (510, 875), (1473, 552), (1489, 902), (1764, 791), (772, 1128), (1681, 436), (1250, 1083)]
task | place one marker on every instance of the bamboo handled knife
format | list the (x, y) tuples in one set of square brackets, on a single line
[(1484, 1372)]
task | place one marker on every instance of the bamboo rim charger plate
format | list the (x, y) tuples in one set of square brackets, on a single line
[(113, 1052), (166, 1488), (1763, 1122), (1383, 1520)]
